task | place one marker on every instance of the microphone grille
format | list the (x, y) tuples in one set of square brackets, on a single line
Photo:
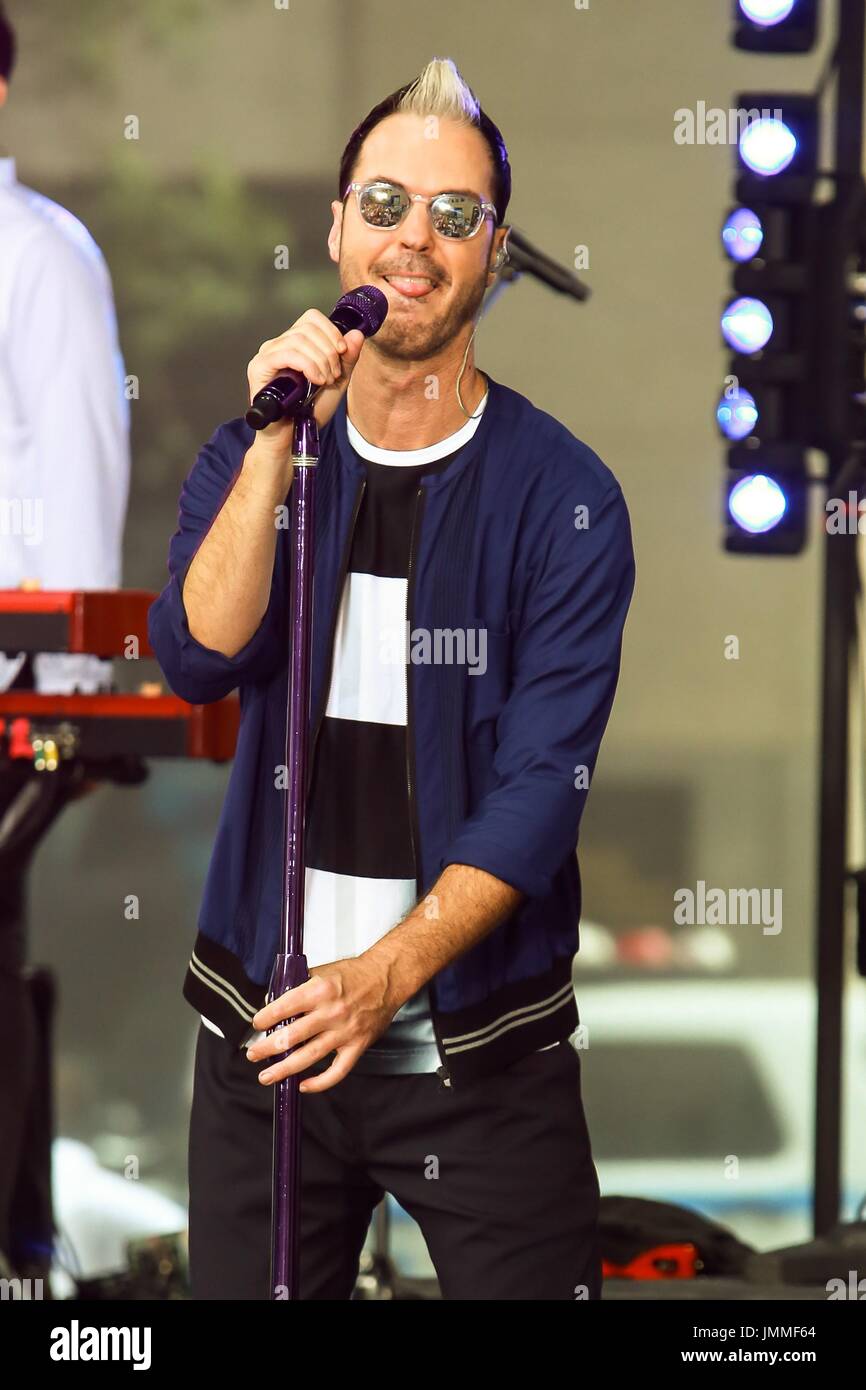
[(370, 305)]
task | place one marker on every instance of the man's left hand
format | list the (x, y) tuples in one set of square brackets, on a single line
[(343, 1007)]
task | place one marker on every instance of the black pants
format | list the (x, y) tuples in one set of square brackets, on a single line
[(498, 1175)]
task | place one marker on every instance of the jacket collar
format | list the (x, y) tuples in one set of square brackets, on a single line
[(433, 481)]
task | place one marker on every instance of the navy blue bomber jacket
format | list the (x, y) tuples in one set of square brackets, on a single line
[(524, 535)]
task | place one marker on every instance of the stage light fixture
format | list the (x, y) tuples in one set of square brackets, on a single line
[(766, 12), (776, 26), (767, 146), (737, 414), (747, 325), (766, 494), (742, 234), (757, 503)]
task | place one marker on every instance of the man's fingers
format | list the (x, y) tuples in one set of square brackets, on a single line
[(299, 1060), (298, 1000), (316, 329), (314, 318), (339, 1068), (313, 342), (307, 1025), (330, 346), (283, 1039), (303, 355)]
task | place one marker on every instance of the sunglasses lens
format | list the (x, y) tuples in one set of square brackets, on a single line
[(455, 214), (383, 204)]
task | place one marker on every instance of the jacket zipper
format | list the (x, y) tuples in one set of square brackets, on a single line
[(443, 1072), (344, 565)]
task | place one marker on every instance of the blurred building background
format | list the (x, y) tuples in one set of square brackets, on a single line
[(708, 771)]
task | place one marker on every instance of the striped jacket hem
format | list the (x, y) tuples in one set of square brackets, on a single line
[(474, 1042)]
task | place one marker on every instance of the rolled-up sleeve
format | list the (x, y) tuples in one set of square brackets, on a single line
[(194, 672), (565, 667)]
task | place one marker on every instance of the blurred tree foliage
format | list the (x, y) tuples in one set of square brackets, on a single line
[(197, 290), (97, 35), (192, 261)]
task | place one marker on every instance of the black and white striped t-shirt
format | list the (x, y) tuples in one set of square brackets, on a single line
[(361, 873)]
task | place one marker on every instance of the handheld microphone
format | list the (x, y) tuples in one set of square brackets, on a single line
[(365, 308)]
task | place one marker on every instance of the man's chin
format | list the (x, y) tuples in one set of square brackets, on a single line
[(412, 343)]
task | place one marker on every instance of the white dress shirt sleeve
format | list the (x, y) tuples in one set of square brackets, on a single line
[(66, 369)]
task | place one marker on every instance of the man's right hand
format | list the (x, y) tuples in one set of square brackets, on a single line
[(315, 346)]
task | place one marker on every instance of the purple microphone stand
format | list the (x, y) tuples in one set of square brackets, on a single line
[(290, 963), (364, 308)]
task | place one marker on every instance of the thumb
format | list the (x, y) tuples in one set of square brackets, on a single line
[(354, 341)]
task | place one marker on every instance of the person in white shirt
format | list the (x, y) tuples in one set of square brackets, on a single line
[(64, 482), (64, 418)]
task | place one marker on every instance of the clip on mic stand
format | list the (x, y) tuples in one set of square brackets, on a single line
[(290, 964)]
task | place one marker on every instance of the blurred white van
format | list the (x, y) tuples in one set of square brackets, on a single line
[(701, 1092)]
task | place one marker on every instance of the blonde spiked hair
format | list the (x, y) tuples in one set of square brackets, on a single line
[(440, 91)]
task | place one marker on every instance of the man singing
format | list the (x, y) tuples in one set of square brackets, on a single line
[(475, 537)]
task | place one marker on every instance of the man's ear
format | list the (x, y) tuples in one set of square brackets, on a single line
[(4, 91), (336, 232), (499, 250)]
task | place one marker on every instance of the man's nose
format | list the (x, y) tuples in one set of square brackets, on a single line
[(415, 229)]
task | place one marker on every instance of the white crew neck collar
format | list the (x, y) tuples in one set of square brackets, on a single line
[(429, 454)]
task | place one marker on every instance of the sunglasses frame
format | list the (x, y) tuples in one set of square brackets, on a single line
[(358, 189)]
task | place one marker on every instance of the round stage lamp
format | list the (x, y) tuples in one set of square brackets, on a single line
[(757, 503), (742, 234), (767, 146), (767, 12), (747, 325), (737, 414)]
